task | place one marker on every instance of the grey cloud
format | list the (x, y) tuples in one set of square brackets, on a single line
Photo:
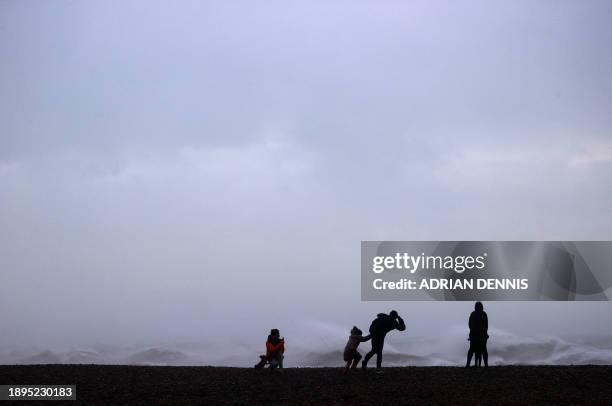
[(162, 166)]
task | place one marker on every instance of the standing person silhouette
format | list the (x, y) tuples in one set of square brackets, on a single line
[(479, 324), (378, 330)]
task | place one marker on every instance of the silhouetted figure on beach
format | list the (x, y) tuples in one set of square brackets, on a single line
[(479, 324), (275, 349), (351, 355), (378, 330)]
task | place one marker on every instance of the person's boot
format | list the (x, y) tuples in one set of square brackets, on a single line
[(354, 366), (364, 365), (345, 370)]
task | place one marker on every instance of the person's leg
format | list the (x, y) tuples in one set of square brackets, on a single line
[(369, 355), (276, 361), (348, 359), (377, 343), (377, 348), (485, 354), (469, 355), (273, 363), (356, 360), (379, 353)]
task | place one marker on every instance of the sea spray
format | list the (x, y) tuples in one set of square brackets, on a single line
[(319, 344)]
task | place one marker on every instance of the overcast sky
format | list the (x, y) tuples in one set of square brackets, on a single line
[(171, 170)]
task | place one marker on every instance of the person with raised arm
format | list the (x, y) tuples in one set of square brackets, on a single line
[(379, 328)]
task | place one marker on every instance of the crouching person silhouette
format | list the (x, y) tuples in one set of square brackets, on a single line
[(351, 355), (275, 349), (479, 325), (378, 330)]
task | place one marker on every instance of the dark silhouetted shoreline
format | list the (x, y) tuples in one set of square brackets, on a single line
[(426, 385)]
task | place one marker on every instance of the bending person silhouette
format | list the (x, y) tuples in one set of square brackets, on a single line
[(479, 324), (378, 330)]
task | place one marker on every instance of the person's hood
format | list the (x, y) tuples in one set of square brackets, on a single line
[(381, 315)]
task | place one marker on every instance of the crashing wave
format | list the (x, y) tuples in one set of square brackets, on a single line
[(400, 350)]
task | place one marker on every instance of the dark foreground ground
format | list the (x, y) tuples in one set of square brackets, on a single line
[(420, 385)]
